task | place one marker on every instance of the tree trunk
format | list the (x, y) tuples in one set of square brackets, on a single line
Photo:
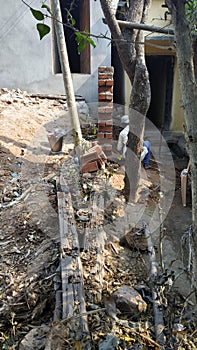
[(184, 50), (68, 84), (130, 46)]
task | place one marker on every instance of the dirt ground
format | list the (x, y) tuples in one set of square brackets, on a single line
[(29, 234)]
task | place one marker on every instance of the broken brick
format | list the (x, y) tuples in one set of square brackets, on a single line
[(89, 167), (88, 157)]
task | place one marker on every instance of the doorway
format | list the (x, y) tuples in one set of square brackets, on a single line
[(161, 71)]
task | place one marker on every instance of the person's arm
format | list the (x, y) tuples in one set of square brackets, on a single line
[(144, 152), (119, 144)]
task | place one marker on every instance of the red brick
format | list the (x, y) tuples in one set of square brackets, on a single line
[(88, 157), (105, 69), (105, 97), (108, 135), (103, 117), (102, 97), (109, 98), (99, 151), (101, 123), (89, 167), (104, 128), (105, 109), (109, 122), (105, 89), (105, 104), (106, 93), (109, 83), (100, 136), (101, 82), (105, 76)]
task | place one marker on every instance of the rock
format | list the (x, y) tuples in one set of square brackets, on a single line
[(135, 239), (128, 300), (4, 90), (110, 343), (35, 339)]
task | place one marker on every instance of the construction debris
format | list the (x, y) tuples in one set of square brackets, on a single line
[(93, 159)]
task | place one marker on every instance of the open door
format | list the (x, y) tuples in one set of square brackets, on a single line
[(161, 71)]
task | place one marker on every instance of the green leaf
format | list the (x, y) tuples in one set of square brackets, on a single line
[(37, 14), (91, 42), (44, 6), (81, 46), (70, 18), (43, 29), (79, 37), (73, 22)]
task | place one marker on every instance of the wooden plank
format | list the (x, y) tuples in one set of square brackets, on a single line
[(73, 300), (95, 243), (67, 289)]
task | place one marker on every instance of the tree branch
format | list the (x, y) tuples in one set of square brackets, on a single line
[(147, 27)]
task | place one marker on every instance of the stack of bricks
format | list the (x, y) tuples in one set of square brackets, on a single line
[(105, 108)]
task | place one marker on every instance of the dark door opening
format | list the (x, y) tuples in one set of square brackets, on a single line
[(118, 91), (161, 70)]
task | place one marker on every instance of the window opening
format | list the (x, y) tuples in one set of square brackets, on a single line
[(80, 11)]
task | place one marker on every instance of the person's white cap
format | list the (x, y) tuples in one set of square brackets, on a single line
[(125, 119)]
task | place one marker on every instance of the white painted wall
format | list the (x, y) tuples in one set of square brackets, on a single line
[(26, 62)]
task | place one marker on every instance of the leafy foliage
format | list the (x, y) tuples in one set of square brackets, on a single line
[(191, 15), (82, 40), (43, 29)]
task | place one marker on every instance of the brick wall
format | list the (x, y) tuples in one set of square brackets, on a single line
[(105, 108)]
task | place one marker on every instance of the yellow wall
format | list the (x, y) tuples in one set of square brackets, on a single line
[(177, 111), (156, 16)]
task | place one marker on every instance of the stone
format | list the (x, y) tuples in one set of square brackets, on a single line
[(35, 339), (128, 300)]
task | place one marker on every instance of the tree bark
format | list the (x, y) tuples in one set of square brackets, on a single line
[(184, 50), (129, 45), (68, 84)]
